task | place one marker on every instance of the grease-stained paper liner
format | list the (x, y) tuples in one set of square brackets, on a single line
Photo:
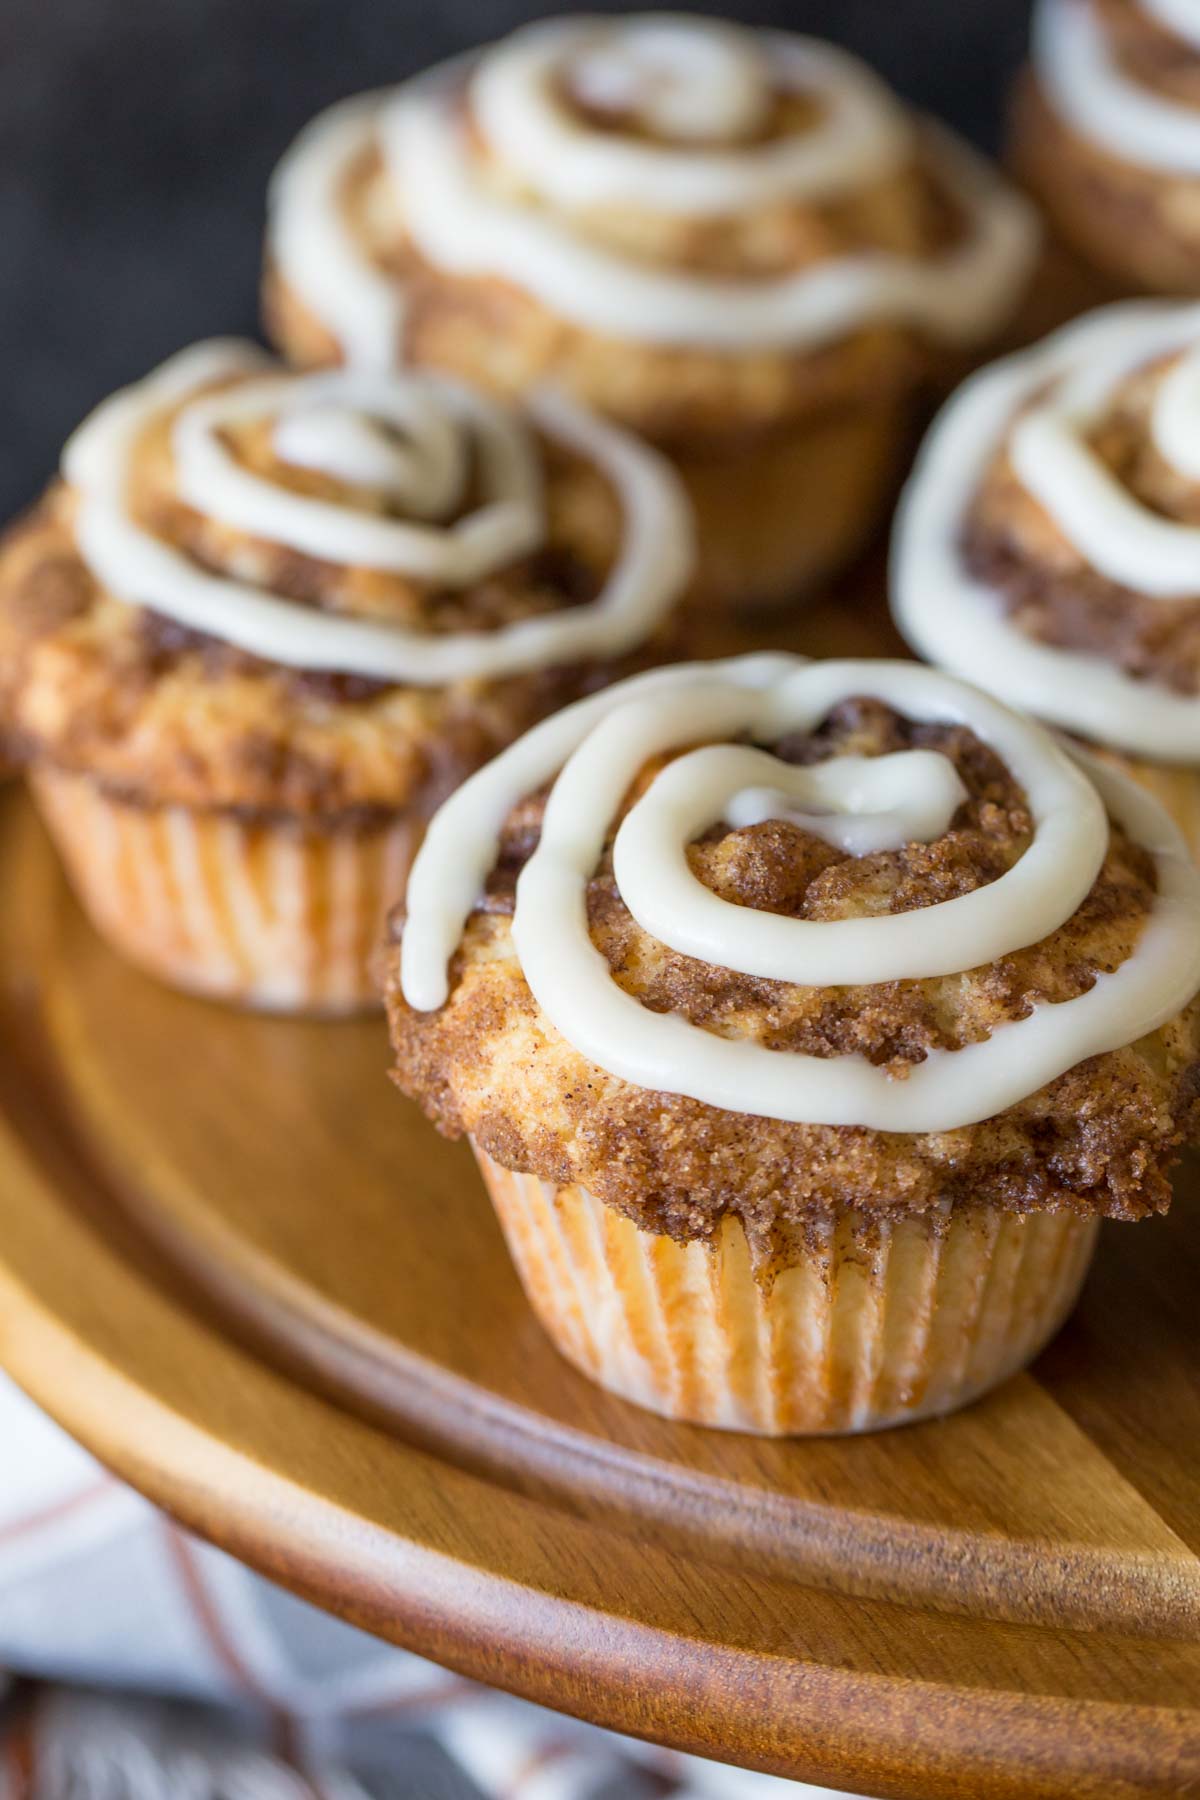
[(265, 914), (874, 1323)]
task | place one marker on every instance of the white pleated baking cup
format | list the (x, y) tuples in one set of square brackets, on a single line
[(264, 914), (878, 1321)]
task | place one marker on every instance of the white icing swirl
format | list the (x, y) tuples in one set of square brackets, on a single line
[(1084, 82), (1175, 422), (424, 471), (462, 222), (715, 82), (861, 804), (435, 422), (409, 436), (1180, 16), (1058, 389), (596, 748), (677, 77), (314, 245)]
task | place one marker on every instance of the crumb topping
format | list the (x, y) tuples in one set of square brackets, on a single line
[(1098, 1139), (1050, 590)]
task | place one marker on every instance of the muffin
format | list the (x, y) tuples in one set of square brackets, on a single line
[(805, 1018), (1106, 132), (737, 243), (266, 622), (1048, 545)]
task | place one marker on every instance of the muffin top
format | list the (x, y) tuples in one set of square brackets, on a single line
[(324, 593), (1049, 543), (687, 222), (768, 936), (1125, 74)]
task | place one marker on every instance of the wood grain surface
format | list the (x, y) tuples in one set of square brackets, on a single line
[(252, 1279)]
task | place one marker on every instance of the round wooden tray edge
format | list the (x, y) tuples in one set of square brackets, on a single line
[(847, 1550), (852, 1552), (626, 1673)]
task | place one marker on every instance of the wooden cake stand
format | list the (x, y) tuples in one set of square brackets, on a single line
[(246, 1274)]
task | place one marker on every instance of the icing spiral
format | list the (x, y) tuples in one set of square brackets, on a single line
[(1040, 404), (1079, 72), (699, 92), (424, 443), (593, 751), (1179, 16), (681, 80)]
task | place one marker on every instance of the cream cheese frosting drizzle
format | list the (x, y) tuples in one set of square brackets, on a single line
[(1082, 78), (686, 80), (1040, 404), (1180, 16), (313, 243), (593, 750), (408, 436), (529, 230), (860, 804), (422, 467), (352, 447), (677, 77)]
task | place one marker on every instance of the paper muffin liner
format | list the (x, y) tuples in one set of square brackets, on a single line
[(778, 517), (874, 1322), (1178, 789), (270, 915)]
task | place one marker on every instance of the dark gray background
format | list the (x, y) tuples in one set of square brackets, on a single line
[(136, 138)]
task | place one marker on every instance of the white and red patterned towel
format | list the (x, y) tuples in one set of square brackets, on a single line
[(145, 1665)]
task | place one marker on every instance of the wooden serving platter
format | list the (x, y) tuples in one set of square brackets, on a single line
[(245, 1272)]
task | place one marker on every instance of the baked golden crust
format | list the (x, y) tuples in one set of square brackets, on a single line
[(500, 336), (1050, 589), (161, 714), (1098, 1139), (1139, 226)]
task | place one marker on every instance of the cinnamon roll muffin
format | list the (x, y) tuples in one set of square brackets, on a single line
[(806, 1018), (266, 622), (1106, 132), (1048, 545), (738, 243)]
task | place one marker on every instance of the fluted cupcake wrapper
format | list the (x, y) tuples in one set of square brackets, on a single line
[(872, 1321), (269, 915)]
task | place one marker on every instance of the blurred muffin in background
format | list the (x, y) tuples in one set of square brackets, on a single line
[(738, 243), (1106, 133)]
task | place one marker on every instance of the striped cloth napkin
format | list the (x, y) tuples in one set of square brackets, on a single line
[(145, 1665)]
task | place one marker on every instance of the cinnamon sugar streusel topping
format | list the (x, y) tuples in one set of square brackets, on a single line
[(1049, 541), (185, 619), (1050, 588), (1097, 1139), (157, 712)]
